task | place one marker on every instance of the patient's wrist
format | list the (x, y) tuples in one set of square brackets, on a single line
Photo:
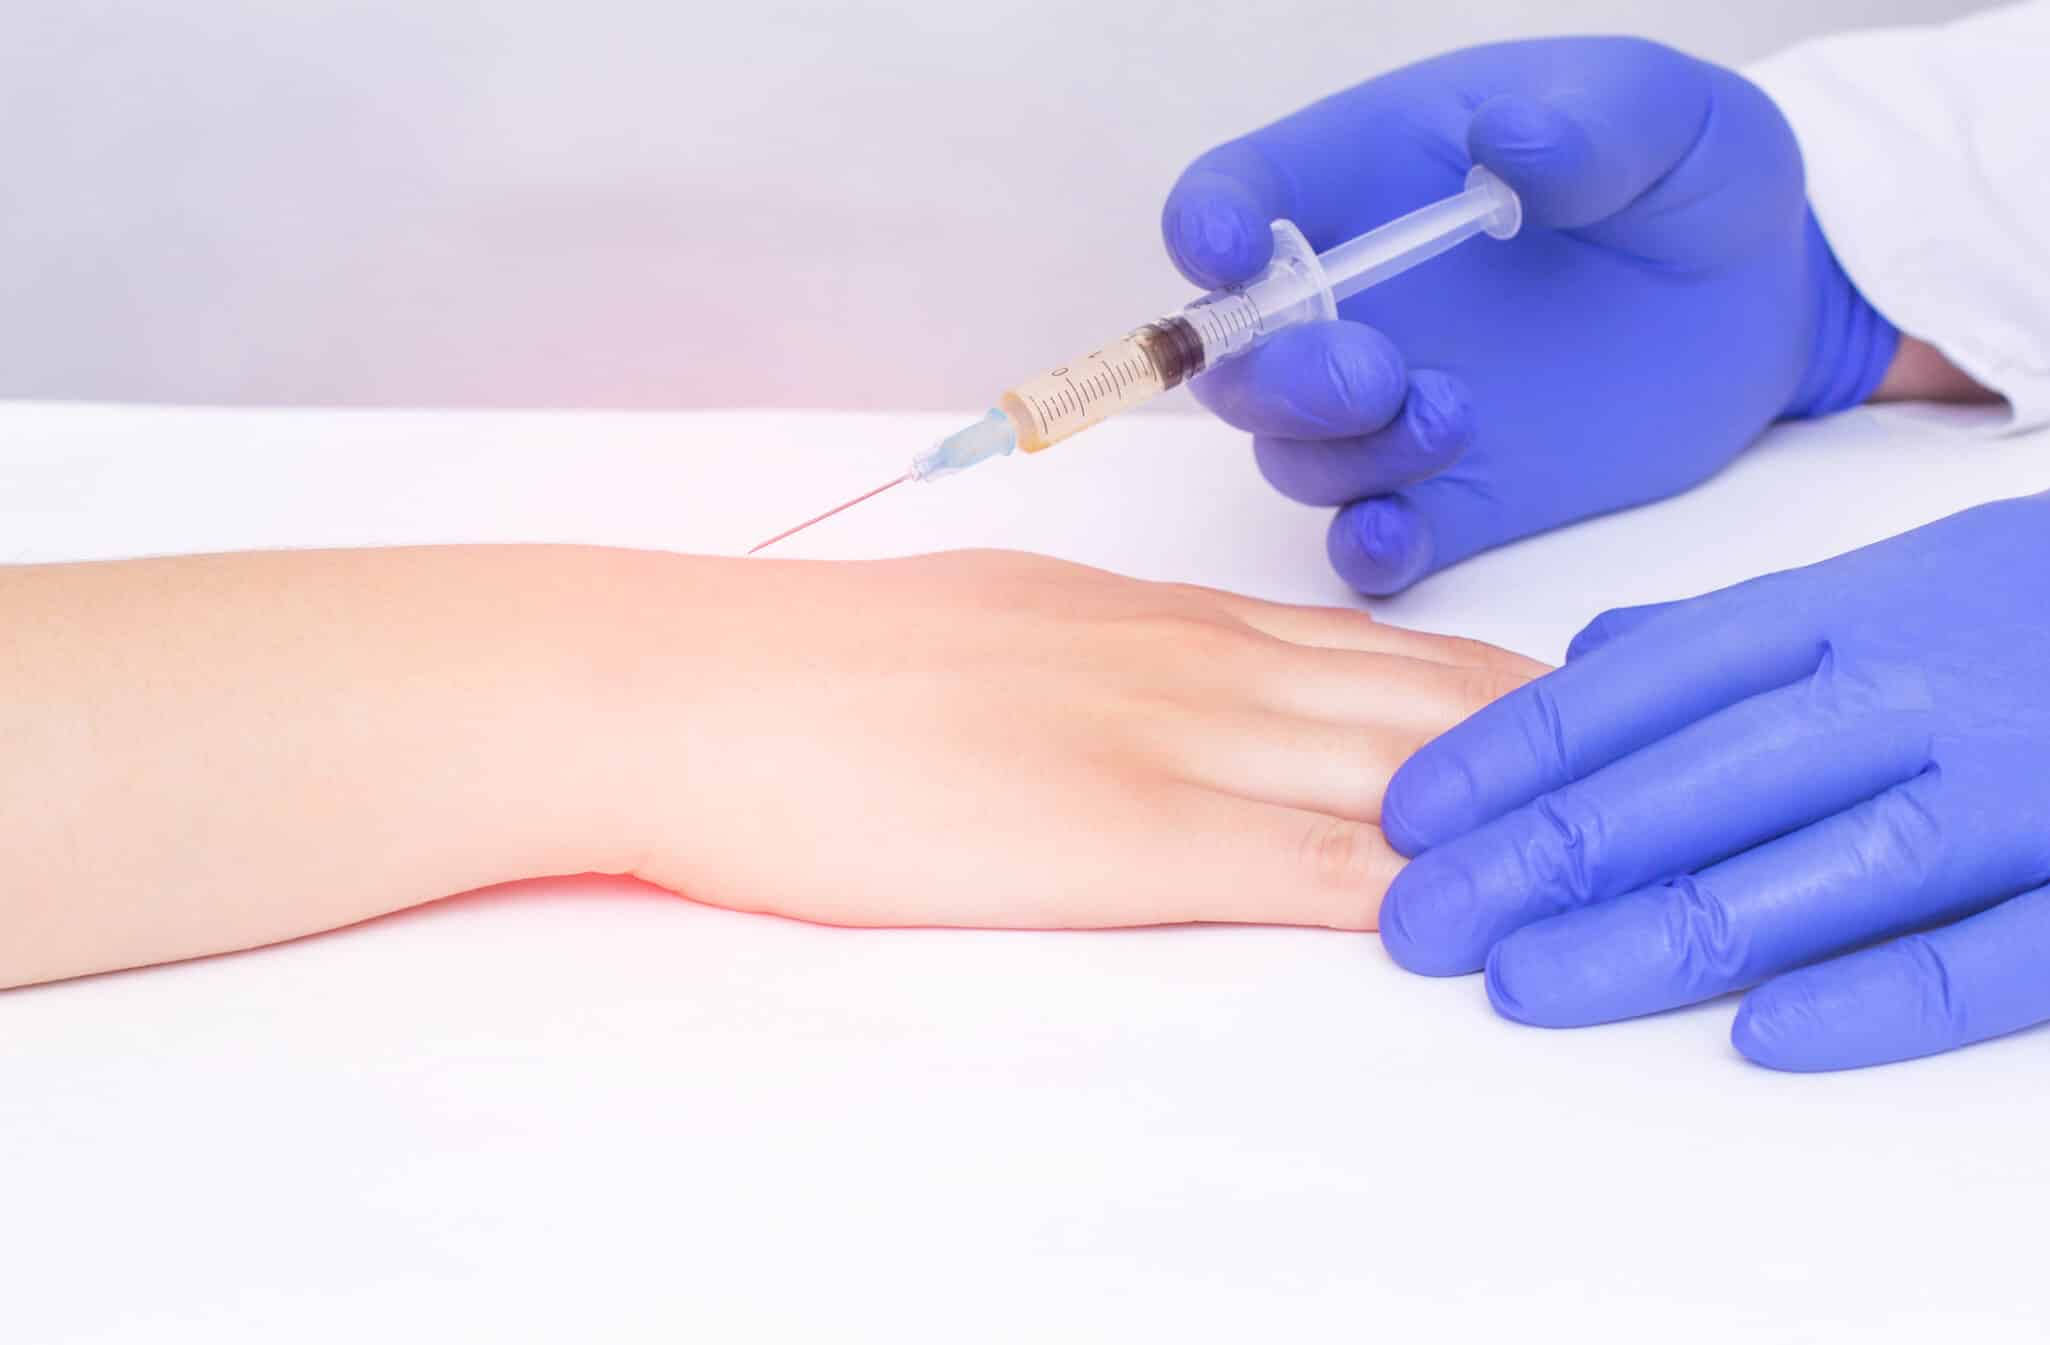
[(1922, 373)]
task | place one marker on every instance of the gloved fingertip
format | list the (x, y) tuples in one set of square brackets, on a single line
[(1217, 231), (1429, 800), (1379, 546), (1770, 1030), (1426, 919), (1560, 973), (1519, 983), (1364, 379), (1394, 923), (1538, 150), (1867, 1008), (1501, 994)]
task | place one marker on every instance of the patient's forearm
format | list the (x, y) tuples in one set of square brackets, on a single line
[(206, 753), (216, 752)]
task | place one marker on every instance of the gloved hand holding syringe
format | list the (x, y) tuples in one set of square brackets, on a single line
[(1300, 285)]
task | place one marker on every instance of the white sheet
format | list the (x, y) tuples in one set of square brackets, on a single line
[(582, 1111)]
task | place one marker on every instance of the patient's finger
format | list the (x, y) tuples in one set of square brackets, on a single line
[(1338, 769), (1350, 628), (1223, 858), (1413, 699)]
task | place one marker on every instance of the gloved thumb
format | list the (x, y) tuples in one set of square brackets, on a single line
[(1567, 171)]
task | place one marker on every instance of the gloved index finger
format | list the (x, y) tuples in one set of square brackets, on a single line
[(1595, 710)]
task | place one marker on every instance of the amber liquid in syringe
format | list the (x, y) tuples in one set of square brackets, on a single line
[(1139, 365)]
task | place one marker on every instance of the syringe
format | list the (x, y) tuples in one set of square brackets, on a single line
[(1299, 285)]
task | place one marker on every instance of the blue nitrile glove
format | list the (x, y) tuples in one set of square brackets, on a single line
[(1669, 296), (1714, 792)]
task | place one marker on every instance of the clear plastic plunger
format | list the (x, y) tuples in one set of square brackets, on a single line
[(1488, 205)]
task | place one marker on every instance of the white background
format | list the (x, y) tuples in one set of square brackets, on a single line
[(590, 1111), (655, 203)]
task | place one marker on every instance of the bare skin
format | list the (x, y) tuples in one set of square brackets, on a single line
[(216, 752), (1922, 373)]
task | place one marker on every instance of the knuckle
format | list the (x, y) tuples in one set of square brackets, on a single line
[(1902, 840), (1938, 1007), (1565, 861), (1351, 620), (1439, 415), (1202, 600), (1544, 727), (1483, 684), (1343, 856), (1204, 636), (1193, 633), (1348, 382), (1504, 668), (1705, 947), (1359, 377)]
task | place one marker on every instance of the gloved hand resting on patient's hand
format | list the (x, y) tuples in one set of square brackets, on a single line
[(1831, 780)]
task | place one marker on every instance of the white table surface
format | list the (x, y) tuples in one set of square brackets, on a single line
[(591, 1111)]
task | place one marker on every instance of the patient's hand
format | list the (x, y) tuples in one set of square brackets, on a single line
[(994, 739), (212, 752)]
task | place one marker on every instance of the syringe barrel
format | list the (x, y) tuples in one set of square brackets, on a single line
[(1166, 352), (1119, 375)]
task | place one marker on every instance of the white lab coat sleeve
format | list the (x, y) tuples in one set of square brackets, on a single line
[(1928, 157)]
